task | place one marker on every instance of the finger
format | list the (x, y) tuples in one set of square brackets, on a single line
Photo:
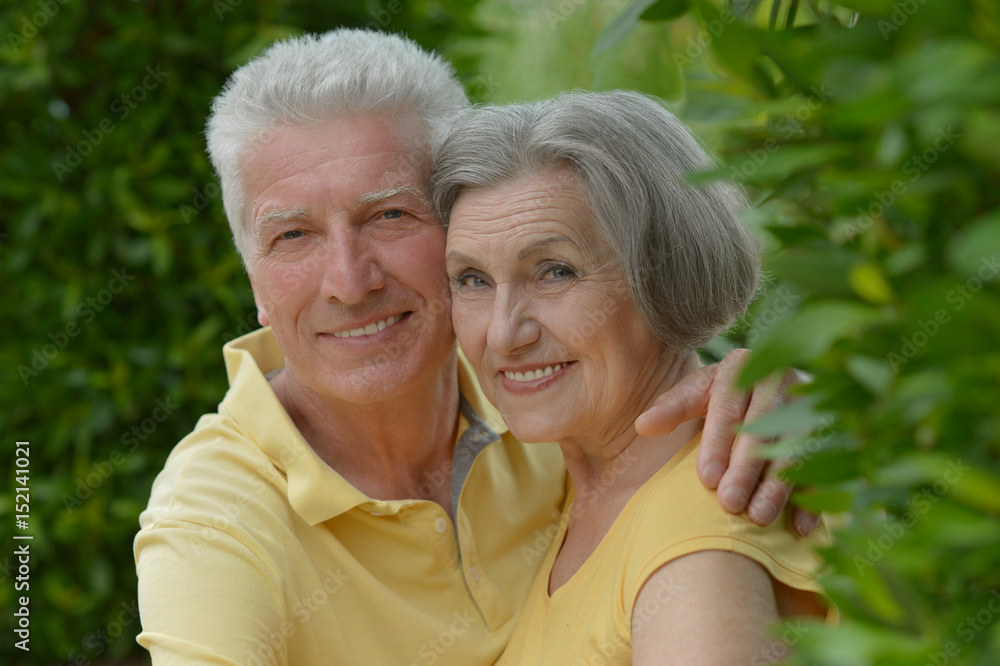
[(805, 521), (770, 497), (740, 479), (686, 400), (726, 409), (745, 469)]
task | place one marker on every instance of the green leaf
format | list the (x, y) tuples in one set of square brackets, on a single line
[(820, 270), (621, 25), (734, 45), (976, 249), (875, 374), (826, 467), (832, 501), (806, 335), (665, 10), (868, 282), (800, 415)]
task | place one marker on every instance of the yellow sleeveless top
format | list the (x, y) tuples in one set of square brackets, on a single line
[(588, 619)]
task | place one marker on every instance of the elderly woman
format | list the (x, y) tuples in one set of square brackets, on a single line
[(585, 271)]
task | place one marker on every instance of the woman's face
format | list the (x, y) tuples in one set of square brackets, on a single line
[(542, 310)]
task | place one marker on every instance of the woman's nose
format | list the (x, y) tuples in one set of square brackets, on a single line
[(512, 327)]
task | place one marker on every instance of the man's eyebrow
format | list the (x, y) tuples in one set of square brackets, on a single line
[(535, 247), (276, 215), (389, 192), (280, 215)]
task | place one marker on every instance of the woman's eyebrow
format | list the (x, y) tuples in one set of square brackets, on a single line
[(538, 245), (458, 257)]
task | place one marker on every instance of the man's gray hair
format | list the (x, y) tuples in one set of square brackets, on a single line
[(692, 265), (313, 78)]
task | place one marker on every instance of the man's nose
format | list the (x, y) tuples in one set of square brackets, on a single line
[(351, 267), (513, 327)]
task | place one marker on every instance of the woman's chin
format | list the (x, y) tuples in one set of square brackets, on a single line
[(531, 431)]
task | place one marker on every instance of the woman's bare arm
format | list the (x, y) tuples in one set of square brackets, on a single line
[(708, 608)]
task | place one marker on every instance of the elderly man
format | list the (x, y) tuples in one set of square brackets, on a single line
[(355, 499)]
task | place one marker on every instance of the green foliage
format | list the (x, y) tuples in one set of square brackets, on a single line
[(120, 282), (867, 133)]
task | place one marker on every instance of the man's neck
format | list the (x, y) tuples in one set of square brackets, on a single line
[(394, 449)]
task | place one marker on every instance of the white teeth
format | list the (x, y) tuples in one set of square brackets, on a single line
[(532, 375), (369, 329)]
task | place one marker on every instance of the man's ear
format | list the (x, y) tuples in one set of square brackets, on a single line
[(261, 311)]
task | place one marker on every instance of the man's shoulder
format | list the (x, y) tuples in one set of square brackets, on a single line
[(215, 470)]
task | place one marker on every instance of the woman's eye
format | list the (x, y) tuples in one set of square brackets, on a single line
[(392, 214), (557, 273), (289, 235), (471, 281)]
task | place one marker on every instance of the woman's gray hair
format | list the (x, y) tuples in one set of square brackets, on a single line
[(692, 265), (313, 78)]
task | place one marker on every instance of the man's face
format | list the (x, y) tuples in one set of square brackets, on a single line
[(347, 256)]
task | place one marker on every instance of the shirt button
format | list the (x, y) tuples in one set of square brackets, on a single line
[(441, 525), (474, 574)]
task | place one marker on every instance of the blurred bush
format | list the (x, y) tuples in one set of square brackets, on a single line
[(867, 131), (120, 284)]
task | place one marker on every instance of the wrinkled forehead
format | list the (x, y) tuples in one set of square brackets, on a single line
[(399, 140), (538, 205), (378, 151)]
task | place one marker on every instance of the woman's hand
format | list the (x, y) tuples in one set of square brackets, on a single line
[(742, 478)]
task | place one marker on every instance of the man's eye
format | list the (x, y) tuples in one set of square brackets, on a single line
[(294, 233), (393, 214)]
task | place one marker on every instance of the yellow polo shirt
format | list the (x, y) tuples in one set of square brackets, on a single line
[(254, 551), (588, 620)]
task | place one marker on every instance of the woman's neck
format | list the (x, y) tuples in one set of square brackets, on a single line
[(607, 469), (617, 458)]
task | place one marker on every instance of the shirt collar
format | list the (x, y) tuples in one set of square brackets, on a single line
[(316, 491)]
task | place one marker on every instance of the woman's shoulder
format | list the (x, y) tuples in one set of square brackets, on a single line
[(674, 515)]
